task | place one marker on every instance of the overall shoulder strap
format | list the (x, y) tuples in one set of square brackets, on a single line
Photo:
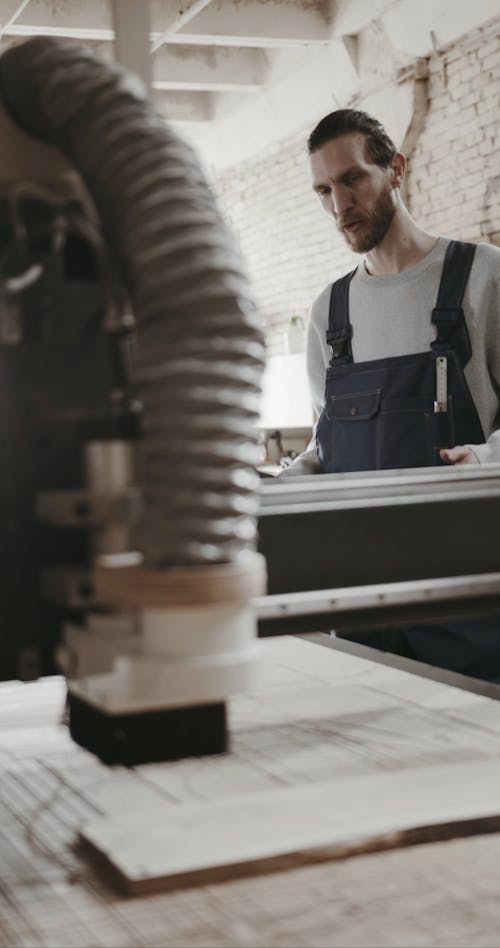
[(448, 314), (339, 331)]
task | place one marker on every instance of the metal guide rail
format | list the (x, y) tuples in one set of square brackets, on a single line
[(366, 549)]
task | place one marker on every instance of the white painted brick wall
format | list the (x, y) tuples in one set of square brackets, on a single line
[(453, 181), (292, 249)]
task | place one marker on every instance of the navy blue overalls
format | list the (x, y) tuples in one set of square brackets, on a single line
[(381, 415)]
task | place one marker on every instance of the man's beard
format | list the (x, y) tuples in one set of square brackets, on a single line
[(374, 224)]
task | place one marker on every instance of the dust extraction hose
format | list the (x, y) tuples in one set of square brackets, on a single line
[(199, 354)]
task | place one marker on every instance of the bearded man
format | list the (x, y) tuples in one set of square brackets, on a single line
[(409, 345), (400, 303)]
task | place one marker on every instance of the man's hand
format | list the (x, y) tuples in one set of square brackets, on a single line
[(458, 455)]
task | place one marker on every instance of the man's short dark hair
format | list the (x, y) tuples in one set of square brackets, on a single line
[(380, 148)]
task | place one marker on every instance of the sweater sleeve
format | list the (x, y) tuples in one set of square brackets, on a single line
[(317, 355), (488, 453)]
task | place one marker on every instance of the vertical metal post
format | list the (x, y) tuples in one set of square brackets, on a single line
[(131, 21)]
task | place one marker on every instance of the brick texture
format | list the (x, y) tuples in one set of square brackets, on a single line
[(454, 177), (292, 250)]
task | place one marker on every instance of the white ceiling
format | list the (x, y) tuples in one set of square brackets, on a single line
[(262, 63), (202, 51)]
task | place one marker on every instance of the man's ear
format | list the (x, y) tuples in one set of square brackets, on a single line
[(398, 168)]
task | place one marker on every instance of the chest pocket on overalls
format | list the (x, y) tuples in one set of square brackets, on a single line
[(379, 414), (351, 416)]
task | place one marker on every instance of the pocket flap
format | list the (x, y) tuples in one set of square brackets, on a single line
[(355, 406)]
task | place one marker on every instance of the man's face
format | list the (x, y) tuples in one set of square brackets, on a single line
[(357, 193)]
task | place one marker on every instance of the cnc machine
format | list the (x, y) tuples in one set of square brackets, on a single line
[(131, 355)]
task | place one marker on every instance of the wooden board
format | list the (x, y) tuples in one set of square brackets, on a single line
[(164, 847), (333, 755)]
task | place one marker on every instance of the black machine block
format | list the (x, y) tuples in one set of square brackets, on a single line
[(148, 736)]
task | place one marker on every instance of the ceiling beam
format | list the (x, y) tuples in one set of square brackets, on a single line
[(193, 22), (210, 68), (201, 68), (350, 16), (66, 32), (42, 15), (131, 26), (169, 16), (254, 23), (9, 12), (184, 106)]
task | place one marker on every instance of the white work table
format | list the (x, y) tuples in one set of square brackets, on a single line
[(382, 759)]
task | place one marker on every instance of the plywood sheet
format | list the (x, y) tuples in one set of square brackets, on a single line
[(332, 819), (332, 755)]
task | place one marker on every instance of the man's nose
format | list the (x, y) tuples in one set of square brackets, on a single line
[(341, 198)]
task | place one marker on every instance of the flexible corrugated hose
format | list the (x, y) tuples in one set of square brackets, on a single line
[(199, 353)]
